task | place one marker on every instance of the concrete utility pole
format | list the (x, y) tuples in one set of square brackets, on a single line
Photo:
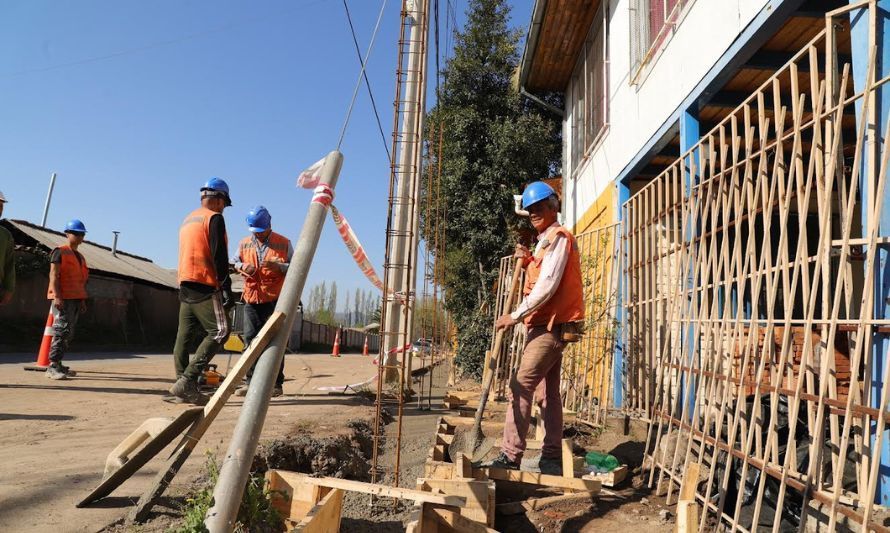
[(405, 211), (236, 466), (49, 197)]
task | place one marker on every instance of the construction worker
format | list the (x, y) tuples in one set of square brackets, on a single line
[(263, 258), (68, 274), (205, 289), (551, 310), (7, 260)]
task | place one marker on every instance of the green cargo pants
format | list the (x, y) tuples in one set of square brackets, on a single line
[(208, 318)]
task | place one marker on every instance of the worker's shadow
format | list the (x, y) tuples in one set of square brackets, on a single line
[(94, 375), (15, 416), (113, 390)]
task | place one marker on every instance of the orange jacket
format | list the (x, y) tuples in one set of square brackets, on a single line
[(72, 277), (265, 284), (195, 259), (567, 303)]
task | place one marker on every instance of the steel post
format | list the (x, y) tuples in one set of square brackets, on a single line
[(49, 197), (236, 465)]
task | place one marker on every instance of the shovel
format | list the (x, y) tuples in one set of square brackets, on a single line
[(476, 435)]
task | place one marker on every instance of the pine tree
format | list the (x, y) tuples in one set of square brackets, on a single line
[(358, 306), (347, 310), (332, 301), (495, 143)]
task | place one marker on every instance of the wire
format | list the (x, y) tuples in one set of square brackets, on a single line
[(363, 75)]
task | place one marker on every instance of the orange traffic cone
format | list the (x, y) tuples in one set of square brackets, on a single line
[(365, 347), (336, 351), (43, 354)]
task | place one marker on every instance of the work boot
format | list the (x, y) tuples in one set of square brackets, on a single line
[(242, 390), (277, 391), (502, 462), (68, 372), (54, 372), (185, 389), (551, 466)]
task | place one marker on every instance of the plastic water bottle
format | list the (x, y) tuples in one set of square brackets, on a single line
[(601, 463)]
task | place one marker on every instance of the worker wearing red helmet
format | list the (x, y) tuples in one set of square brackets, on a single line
[(552, 309), (205, 289), (263, 259)]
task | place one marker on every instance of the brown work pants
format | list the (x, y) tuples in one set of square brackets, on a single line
[(538, 371)]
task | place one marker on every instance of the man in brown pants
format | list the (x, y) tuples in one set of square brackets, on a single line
[(553, 303)]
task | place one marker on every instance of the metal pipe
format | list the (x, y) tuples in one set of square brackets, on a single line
[(236, 465), (114, 243), (49, 197)]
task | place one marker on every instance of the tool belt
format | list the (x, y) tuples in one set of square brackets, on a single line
[(571, 331)]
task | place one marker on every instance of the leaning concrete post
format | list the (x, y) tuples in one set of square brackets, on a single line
[(236, 465)]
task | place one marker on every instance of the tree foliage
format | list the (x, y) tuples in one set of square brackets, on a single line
[(494, 143)]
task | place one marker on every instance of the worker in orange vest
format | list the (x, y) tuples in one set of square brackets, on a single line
[(263, 259), (205, 289), (552, 310), (68, 275)]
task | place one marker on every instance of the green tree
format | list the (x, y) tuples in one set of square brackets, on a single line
[(494, 143), (332, 301)]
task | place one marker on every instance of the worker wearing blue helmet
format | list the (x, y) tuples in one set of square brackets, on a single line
[(68, 274), (552, 310), (205, 289), (263, 259)]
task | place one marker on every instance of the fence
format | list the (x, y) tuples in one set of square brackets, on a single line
[(323, 334), (751, 269)]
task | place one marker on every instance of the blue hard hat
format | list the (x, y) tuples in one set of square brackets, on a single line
[(219, 186), (259, 219), (535, 192), (75, 226)]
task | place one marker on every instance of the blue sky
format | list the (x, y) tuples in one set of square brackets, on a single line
[(136, 104)]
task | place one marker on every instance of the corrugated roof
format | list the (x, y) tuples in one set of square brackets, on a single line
[(100, 259)]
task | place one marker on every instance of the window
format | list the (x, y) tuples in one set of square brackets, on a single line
[(588, 90), (652, 22)]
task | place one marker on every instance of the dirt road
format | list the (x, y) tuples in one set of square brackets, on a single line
[(55, 435)]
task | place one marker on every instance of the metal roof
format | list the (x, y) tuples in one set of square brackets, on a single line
[(100, 259)]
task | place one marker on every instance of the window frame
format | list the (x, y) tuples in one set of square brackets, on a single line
[(584, 139)]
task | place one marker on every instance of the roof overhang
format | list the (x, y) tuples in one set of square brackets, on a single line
[(555, 38)]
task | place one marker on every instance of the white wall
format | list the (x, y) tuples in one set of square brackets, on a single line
[(637, 111)]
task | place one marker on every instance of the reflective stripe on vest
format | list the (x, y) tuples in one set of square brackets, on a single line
[(265, 284), (567, 303), (73, 275), (195, 258)]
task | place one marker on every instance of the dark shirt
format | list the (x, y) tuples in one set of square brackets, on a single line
[(56, 256), (192, 292)]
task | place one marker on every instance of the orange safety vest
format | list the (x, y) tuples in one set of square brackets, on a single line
[(195, 258), (567, 303), (265, 284), (73, 274)]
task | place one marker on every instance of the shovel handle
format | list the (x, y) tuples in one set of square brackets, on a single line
[(496, 349)]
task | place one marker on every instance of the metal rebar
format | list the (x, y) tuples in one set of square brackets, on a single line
[(236, 466)]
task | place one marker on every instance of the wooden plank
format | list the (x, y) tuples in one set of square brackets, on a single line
[(462, 467), (293, 501), (474, 493), (214, 406), (531, 478), (454, 521), (687, 517), (438, 469), (690, 482), (609, 479), (325, 516), (295, 478), (514, 508), (151, 449), (568, 463)]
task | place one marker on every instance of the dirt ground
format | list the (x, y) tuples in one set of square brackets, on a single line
[(55, 435)]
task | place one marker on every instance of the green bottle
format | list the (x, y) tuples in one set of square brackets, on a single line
[(601, 463)]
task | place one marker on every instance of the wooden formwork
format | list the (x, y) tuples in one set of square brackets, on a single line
[(750, 294)]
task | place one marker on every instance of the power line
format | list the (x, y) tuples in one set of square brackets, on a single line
[(363, 74)]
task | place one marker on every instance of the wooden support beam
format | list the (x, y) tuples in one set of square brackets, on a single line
[(531, 478), (295, 478), (477, 494), (514, 508), (568, 461), (325, 516)]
